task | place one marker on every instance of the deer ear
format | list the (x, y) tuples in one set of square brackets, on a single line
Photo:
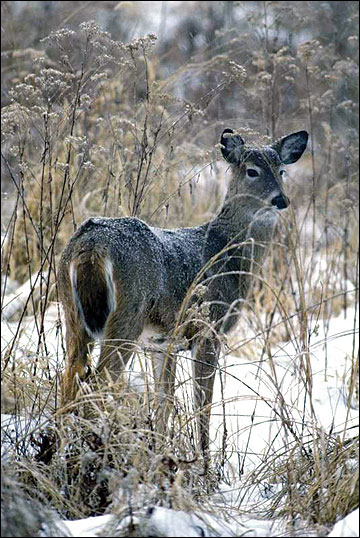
[(291, 147), (232, 146)]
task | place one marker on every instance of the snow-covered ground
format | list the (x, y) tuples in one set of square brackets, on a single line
[(165, 522), (254, 396)]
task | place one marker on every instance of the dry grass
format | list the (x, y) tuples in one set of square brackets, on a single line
[(94, 127)]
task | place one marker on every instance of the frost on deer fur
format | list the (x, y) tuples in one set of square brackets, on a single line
[(118, 276)]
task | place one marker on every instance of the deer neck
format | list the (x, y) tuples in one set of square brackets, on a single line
[(240, 221)]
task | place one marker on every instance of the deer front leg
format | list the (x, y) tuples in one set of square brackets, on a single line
[(204, 365), (164, 369)]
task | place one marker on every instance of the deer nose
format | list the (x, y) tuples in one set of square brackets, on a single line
[(281, 201)]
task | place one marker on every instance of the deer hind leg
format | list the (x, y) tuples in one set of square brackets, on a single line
[(87, 292), (204, 366), (78, 349), (122, 330)]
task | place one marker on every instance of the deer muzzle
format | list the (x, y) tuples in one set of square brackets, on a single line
[(281, 201)]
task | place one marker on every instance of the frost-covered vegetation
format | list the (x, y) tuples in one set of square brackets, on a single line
[(116, 109)]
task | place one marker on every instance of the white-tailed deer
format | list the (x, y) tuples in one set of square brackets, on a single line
[(119, 277)]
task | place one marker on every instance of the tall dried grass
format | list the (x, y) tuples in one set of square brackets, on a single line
[(93, 128)]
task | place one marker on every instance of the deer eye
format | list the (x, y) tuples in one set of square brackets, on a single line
[(283, 173), (252, 173)]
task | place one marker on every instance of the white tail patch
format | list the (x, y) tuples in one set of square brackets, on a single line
[(111, 300), (109, 271)]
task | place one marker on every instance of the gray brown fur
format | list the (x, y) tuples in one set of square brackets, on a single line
[(119, 275)]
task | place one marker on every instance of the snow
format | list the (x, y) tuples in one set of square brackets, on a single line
[(246, 379), (176, 523), (252, 415), (331, 347), (347, 527), (172, 523), (90, 526), (14, 427)]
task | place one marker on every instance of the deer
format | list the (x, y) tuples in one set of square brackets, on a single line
[(121, 281)]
